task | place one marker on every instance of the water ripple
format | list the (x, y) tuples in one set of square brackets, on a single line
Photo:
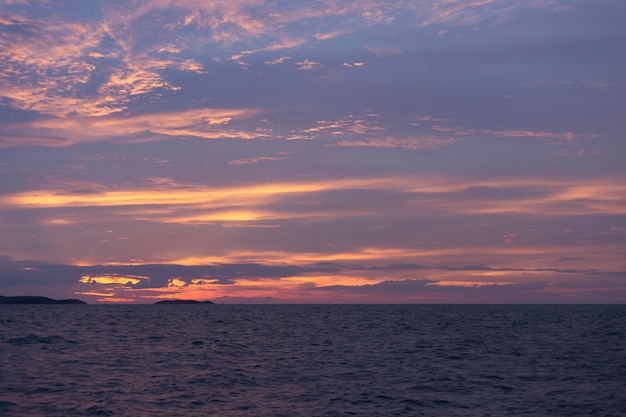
[(312, 360)]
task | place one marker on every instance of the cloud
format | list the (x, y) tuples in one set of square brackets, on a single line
[(403, 143), (452, 128), (112, 279), (116, 58), (452, 14), (254, 160), (307, 65), (195, 203), (428, 291), (353, 65), (279, 60), (198, 123), (455, 13), (348, 125), (60, 68), (313, 282), (577, 152), (279, 45), (328, 36)]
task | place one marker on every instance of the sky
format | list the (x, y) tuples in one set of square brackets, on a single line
[(330, 151)]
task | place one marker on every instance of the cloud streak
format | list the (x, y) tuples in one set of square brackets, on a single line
[(197, 123), (231, 282), (480, 196)]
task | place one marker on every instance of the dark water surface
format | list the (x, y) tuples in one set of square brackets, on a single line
[(312, 360)]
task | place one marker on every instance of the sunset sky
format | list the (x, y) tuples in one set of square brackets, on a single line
[(331, 151)]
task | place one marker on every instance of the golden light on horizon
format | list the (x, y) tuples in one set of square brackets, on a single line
[(95, 293), (116, 300)]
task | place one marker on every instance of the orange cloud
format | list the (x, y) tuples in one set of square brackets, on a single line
[(53, 61), (204, 196), (436, 196), (53, 65), (382, 254), (116, 300), (329, 288), (112, 279), (95, 293), (176, 283)]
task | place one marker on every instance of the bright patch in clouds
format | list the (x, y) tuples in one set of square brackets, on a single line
[(111, 279)]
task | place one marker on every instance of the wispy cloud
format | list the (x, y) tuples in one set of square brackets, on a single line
[(353, 65), (63, 68), (349, 125), (454, 129), (251, 203), (404, 143), (254, 160), (307, 65), (198, 123), (278, 60)]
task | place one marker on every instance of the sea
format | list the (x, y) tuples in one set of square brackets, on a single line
[(312, 360)]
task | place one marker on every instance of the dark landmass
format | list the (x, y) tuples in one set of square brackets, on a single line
[(36, 300), (183, 302)]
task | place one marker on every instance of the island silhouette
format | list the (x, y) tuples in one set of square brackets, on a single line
[(33, 299), (36, 299), (183, 302)]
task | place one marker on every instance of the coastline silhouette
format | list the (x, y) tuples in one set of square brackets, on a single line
[(36, 299), (32, 299), (183, 302)]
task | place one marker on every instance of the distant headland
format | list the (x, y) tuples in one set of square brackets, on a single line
[(28, 299), (183, 302)]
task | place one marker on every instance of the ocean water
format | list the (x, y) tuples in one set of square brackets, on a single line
[(312, 360)]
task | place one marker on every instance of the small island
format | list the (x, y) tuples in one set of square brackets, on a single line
[(31, 299), (183, 302)]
